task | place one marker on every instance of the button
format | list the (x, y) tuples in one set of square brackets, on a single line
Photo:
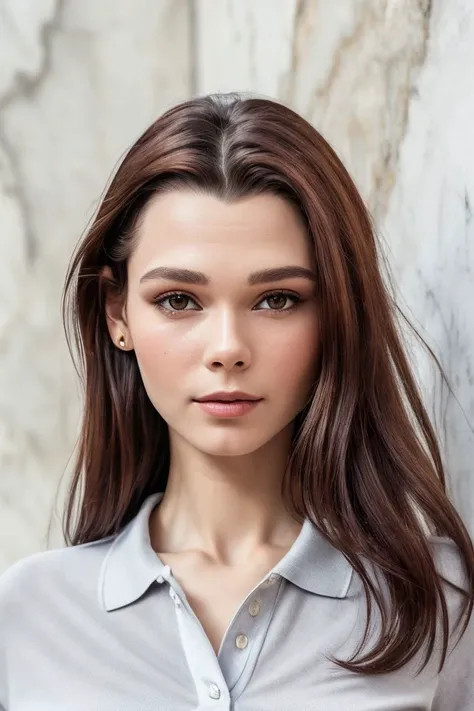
[(214, 691), (254, 608), (270, 580), (175, 598), (241, 641)]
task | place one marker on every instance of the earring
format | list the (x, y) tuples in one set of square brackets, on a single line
[(122, 341)]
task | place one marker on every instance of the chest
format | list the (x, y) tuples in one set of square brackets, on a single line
[(136, 657), (215, 593)]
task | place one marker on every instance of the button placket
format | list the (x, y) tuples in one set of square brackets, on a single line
[(254, 607), (241, 641), (214, 691), (202, 662), (239, 637), (262, 602), (175, 597), (271, 580)]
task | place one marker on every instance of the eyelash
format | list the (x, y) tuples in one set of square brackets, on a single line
[(161, 299)]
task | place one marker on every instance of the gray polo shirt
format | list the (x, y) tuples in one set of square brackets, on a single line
[(105, 626)]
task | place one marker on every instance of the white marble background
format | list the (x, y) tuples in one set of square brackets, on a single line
[(390, 83)]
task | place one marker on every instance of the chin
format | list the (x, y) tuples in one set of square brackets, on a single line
[(230, 444)]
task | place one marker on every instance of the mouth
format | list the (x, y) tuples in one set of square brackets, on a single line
[(228, 408), (236, 396), (229, 401)]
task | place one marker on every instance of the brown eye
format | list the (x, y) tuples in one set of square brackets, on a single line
[(174, 302), (277, 300), (280, 300), (178, 301)]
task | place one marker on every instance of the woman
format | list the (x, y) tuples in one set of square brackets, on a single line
[(258, 517)]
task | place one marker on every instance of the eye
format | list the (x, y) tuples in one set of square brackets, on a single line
[(178, 297), (281, 296), (178, 300)]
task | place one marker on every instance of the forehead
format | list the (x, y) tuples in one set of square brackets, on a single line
[(193, 227)]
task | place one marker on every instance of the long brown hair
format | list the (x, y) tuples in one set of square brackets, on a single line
[(364, 464)]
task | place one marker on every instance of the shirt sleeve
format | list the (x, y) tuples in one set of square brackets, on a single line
[(3, 682), (455, 683), (8, 592), (455, 689)]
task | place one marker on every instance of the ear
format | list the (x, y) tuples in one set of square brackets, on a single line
[(115, 311)]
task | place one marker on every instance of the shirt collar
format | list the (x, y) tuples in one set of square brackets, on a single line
[(131, 565)]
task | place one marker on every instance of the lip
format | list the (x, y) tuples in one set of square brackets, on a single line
[(221, 408), (228, 396)]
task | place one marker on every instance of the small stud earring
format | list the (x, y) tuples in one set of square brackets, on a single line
[(122, 341)]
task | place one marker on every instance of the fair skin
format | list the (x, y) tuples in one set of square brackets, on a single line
[(222, 523)]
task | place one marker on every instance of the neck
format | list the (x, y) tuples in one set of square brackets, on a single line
[(227, 508)]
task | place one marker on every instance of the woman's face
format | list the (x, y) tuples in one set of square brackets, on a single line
[(225, 330)]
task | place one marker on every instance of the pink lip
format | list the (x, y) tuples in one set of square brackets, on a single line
[(227, 396), (228, 409)]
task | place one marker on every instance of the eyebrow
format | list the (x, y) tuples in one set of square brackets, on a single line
[(189, 276)]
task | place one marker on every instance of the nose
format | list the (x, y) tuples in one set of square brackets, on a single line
[(226, 345)]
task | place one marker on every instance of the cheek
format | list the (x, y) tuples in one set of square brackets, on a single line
[(292, 364), (294, 358), (161, 353)]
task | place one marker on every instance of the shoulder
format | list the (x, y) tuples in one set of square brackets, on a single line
[(446, 557), (455, 584), (50, 571), (35, 587), (449, 563), (455, 685), (450, 567), (454, 573)]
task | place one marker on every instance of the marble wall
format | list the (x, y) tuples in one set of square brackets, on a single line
[(388, 82), (79, 81)]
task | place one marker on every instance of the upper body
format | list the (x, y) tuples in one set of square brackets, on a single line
[(232, 257), (107, 626)]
